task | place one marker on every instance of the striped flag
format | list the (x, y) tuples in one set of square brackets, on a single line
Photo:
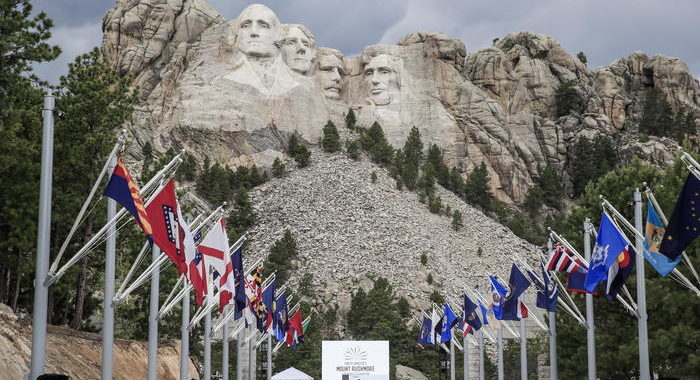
[(562, 259)]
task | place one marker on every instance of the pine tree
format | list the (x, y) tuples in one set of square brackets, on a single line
[(477, 190), (582, 57), (567, 99), (456, 182), (350, 119), (457, 222), (93, 102), (550, 184), (23, 43), (242, 217), (330, 140), (442, 172), (298, 151), (412, 156), (353, 149), (278, 168), (434, 203), (374, 142), (279, 260)]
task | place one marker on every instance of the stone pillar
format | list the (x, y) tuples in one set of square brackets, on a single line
[(542, 367)]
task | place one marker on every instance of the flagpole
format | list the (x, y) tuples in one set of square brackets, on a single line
[(523, 350), (251, 356), (269, 356), (239, 354), (224, 347), (108, 314), (482, 373), (452, 359), (185, 338), (553, 365), (153, 320), (644, 373), (41, 290), (590, 321), (465, 359), (501, 374), (207, 346)]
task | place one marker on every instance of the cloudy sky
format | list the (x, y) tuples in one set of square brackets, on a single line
[(603, 29)]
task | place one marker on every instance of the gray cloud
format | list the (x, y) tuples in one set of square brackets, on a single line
[(604, 30)]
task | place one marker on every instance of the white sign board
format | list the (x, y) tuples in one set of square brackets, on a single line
[(355, 360)]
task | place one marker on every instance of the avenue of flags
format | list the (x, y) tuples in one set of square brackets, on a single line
[(613, 258), (200, 250), (213, 268)]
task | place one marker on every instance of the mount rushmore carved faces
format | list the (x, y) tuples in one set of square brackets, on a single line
[(298, 48), (257, 31), (328, 72), (381, 76)]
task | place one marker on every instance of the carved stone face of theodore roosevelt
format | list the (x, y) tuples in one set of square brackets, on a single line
[(328, 73), (258, 28)]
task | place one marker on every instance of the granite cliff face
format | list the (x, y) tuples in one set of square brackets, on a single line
[(235, 90)]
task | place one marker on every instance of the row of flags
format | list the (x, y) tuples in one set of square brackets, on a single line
[(207, 263), (612, 261)]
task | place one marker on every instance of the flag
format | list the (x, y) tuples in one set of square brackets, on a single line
[(513, 308), (653, 235), (484, 313), (436, 327), (122, 188), (239, 297), (424, 333), (612, 261), (684, 225), (449, 321), (165, 222), (471, 317), (576, 282), (498, 292), (281, 317), (268, 297), (562, 259), (197, 274), (215, 247), (253, 293), (295, 331), (547, 296)]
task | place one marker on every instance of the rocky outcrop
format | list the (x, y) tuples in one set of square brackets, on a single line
[(206, 87), (349, 229), (408, 373), (79, 354)]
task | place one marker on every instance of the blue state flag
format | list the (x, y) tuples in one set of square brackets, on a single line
[(450, 319), (653, 235), (517, 284), (610, 248), (498, 293), (684, 225), (548, 296), (471, 317), (484, 313), (424, 334)]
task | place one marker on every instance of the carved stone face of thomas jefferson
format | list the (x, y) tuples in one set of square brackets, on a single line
[(258, 28), (381, 80), (328, 74), (298, 49)]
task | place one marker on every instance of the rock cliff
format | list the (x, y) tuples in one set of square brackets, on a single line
[(79, 354), (226, 90)]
